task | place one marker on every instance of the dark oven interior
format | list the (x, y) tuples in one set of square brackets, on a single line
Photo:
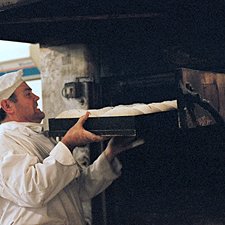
[(175, 178)]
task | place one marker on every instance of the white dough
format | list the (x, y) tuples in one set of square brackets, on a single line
[(122, 110)]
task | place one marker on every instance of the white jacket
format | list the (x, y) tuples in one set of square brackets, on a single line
[(41, 183)]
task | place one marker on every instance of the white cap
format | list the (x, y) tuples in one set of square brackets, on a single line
[(8, 84)]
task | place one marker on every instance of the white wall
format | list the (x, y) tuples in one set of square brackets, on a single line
[(60, 65)]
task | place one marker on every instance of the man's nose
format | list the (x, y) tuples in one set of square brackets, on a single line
[(36, 97)]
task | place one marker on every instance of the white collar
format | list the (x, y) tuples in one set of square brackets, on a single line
[(13, 125)]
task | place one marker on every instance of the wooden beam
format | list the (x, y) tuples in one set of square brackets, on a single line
[(80, 18)]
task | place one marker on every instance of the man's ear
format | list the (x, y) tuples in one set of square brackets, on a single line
[(7, 106)]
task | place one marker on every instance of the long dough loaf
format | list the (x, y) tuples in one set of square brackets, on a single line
[(122, 110)]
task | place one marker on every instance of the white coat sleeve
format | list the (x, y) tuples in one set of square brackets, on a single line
[(97, 177), (28, 182)]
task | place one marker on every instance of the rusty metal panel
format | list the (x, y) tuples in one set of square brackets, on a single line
[(207, 88)]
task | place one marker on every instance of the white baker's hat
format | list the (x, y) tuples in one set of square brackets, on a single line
[(8, 84)]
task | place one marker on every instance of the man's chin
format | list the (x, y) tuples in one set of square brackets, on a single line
[(40, 116)]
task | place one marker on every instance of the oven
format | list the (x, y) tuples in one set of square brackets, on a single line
[(177, 176)]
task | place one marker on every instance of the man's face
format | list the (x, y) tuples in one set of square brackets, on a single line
[(26, 105)]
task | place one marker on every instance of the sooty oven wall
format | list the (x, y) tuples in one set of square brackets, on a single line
[(175, 178)]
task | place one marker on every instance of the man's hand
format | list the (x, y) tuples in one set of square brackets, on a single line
[(117, 145), (78, 136)]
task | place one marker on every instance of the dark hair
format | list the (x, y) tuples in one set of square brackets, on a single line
[(12, 98)]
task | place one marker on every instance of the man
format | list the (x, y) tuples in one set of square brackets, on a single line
[(40, 182)]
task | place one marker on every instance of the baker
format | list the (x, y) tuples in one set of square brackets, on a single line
[(40, 181)]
